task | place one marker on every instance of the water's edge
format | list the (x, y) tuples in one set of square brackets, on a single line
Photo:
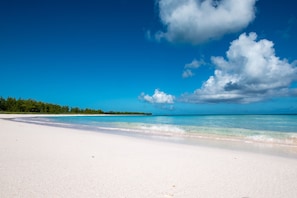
[(172, 133)]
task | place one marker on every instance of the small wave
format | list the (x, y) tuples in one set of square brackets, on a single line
[(162, 128), (285, 140), (261, 138)]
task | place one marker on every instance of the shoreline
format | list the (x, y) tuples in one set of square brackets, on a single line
[(217, 141), (47, 161)]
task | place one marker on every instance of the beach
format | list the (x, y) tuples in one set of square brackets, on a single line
[(49, 161)]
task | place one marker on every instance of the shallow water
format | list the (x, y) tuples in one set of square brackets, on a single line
[(260, 130)]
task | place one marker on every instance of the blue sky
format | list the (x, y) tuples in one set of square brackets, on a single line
[(159, 56)]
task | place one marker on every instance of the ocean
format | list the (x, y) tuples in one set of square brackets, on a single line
[(278, 130)]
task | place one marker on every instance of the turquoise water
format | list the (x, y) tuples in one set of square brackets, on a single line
[(270, 129)]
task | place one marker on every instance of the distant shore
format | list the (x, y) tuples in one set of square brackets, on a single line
[(31, 106), (15, 115), (44, 161)]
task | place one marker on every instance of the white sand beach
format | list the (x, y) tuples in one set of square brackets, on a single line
[(43, 161)]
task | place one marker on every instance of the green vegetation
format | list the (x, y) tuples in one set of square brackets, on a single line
[(12, 105)]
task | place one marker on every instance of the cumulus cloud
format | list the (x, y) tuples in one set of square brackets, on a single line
[(252, 72), (188, 69), (197, 21), (159, 97)]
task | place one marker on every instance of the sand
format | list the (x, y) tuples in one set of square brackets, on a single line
[(43, 161)]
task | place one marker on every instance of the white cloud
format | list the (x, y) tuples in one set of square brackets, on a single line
[(159, 97), (187, 73), (194, 64), (252, 72), (188, 69), (197, 21)]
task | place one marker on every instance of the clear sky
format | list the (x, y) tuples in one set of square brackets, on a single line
[(159, 56)]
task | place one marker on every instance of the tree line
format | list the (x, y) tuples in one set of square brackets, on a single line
[(13, 105)]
